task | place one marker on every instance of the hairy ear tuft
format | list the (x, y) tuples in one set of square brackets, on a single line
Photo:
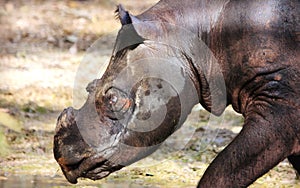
[(123, 15)]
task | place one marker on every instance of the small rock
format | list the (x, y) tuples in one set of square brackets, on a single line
[(72, 38), (51, 39)]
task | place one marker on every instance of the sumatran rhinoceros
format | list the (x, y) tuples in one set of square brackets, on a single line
[(181, 53)]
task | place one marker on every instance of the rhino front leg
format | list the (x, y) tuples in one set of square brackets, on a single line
[(295, 161), (267, 138)]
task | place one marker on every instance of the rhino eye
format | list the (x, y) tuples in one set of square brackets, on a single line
[(117, 103)]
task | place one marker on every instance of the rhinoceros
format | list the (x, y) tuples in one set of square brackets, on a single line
[(180, 53)]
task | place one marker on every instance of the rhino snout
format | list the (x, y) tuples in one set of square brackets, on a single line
[(69, 147)]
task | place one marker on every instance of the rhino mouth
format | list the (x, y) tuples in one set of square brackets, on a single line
[(77, 158), (93, 168)]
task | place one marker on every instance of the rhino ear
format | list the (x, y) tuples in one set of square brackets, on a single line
[(124, 16)]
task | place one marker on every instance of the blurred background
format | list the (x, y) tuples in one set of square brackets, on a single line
[(42, 43)]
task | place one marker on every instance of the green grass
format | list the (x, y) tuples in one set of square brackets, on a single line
[(10, 122), (4, 147)]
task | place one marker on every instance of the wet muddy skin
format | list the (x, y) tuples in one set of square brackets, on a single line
[(243, 54)]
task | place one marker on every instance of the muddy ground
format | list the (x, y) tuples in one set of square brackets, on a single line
[(42, 45)]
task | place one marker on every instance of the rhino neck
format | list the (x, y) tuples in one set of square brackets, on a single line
[(198, 16), (187, 28)]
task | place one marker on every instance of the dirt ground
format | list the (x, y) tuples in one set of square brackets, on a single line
[(43, 45)]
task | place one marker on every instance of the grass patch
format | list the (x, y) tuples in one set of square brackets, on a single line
[(4, 147), (10, 122)]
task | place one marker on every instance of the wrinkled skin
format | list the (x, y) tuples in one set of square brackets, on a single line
[(256, 69)]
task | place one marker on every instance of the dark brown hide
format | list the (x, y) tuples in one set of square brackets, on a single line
[(223, 52)]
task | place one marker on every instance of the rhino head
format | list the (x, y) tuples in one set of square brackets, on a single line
[(143, 97)]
